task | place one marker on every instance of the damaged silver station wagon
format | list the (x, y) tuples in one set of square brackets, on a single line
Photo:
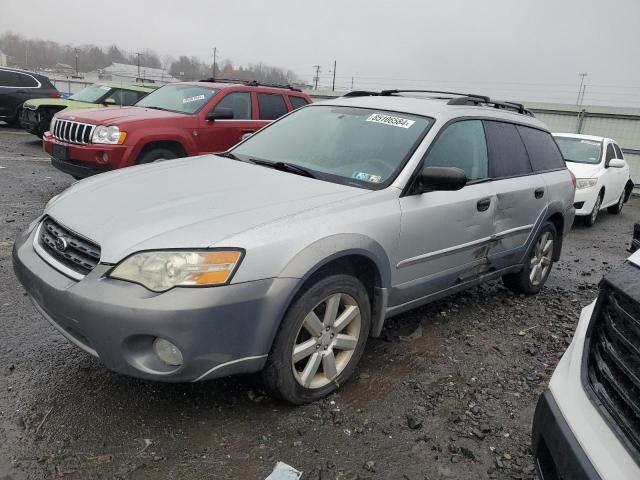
[(286, 253)]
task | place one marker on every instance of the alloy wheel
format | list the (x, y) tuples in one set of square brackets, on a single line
[(541, 260), (326, 341)]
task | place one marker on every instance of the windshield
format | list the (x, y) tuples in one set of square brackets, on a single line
[(179, 98), (580, 150), (91, 94), (354, 146)]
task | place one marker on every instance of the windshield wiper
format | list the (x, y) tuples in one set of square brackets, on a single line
[(284, 166), (229, 155)]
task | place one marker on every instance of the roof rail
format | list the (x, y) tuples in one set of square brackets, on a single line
[(456, 98), (250, 83)]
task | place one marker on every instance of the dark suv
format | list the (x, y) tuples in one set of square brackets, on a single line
[(18, 86)]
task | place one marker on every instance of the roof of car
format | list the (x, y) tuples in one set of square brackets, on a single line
[(20, 70), (227, 84), (437, 108), (593, 138)]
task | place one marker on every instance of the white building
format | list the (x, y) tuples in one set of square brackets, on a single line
[(129, 73)]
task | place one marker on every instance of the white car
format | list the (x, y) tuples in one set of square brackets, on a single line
[(587, 424), (603, 177)]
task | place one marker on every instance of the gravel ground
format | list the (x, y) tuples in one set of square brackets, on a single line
[(449, 390)]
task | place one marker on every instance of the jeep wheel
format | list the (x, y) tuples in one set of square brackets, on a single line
[(617, 208), (155, 155), (537, 264), (320, 341)]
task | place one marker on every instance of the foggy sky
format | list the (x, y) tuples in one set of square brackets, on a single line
[(516, 49)]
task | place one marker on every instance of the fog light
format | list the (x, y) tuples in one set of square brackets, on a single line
[(105, 157), (167, 352)]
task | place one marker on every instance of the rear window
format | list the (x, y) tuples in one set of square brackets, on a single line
[(297, 102), (543, 152), (507, 154), (10, 79), (271, 106)]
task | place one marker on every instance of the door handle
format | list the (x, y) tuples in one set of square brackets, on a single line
[(539, 193), (484, 204)]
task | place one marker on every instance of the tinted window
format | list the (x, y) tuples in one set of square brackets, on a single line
[(239, 103), (124, 97), (461, 145), (618, 151), (611, 154), (10, 79), (543, 151), (508, 157), (28, 81), (297, 102), (271, 106)]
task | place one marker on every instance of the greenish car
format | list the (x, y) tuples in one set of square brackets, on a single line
[(36, 114)]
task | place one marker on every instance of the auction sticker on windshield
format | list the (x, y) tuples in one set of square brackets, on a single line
[(193, 99), (366, 177), (390, 120)]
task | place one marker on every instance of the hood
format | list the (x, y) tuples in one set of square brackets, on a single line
[(120, 115), (186, 203), (583, 170), (58, 102)]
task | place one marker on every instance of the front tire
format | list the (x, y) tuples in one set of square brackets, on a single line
[(320, 340), (590, 220), (617, 208), (537, 264), (155, 155)]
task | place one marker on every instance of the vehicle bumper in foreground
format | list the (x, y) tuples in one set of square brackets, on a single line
[(585, 199), (84, 160), (29, 120), (220, 331)]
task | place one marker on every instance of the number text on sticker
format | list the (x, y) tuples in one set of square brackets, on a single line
[(390, 120)]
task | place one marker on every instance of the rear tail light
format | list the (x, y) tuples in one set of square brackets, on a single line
[(573, 179), (55, 94)]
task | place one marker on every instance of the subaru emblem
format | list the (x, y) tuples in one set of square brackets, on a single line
[(62, 244)]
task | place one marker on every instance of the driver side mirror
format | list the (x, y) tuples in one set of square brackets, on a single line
[(616, 163), (441, 179), (109, 102), (219, 114)]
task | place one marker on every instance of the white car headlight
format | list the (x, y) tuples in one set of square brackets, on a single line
[(161, 271), (585, 182), (109, 135)]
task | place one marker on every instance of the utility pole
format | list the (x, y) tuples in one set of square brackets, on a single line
[(138, 54), (213, 67), (582, 75), (317, 77), (333, 88), (76, 52), (351, 83)]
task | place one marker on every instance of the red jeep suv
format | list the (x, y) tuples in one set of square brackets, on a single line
[(176, 120)]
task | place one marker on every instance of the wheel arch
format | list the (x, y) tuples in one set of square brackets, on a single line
[(174, 145), (556, 215), (628, 188)]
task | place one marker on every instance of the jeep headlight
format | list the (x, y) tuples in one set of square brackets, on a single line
[(109, 135), (585, 182), (161, 271)]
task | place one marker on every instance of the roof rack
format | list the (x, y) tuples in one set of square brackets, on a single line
[(456, 98), (250, 83)]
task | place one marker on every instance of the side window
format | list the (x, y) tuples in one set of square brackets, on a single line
[(297, 102), (611, 154), (239, 103), (543, 150), (10, 79), (124, 97), (271, 106), (462, 145), (618, 151), (507, 154), (28, 81)]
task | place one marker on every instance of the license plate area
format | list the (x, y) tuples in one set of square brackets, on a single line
[(60, 152)]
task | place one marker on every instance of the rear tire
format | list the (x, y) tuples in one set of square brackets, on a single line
[(537, 264), (155, 155), (315, 351), (617, 208)]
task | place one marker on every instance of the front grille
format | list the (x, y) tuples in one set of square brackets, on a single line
[(72, 132), (67, 247), (613, 360)]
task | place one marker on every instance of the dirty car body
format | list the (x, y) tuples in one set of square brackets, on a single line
[(283, 225)]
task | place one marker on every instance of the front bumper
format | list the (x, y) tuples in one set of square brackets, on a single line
[(220, 330), (86, 160), (585, 199), (29, 120)]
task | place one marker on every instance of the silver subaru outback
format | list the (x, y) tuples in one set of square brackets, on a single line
[(284, 254)]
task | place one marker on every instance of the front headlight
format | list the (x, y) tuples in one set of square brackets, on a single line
[(585, 182), (109, 135), (161, 271)]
